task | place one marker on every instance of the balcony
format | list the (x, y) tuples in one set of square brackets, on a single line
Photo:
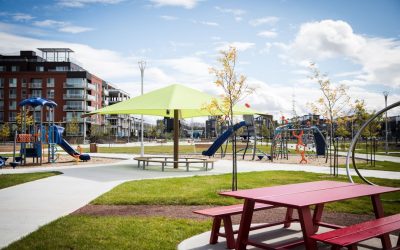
[(74, 85), (12, 119), (74, 108), (91, 98), (50, 96), (12, 96), (90, 108), (68, 119), (91, 86), (35, 85), (74, 96), (105, 103), (1, 84), (35, 95), (106, 92), (1, 107), (12, 84), (12, 107)]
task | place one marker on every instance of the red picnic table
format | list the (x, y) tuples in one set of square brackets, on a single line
[(301, 197)]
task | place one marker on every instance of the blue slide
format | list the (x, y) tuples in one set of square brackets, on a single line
[(222, 138), (58, 131)]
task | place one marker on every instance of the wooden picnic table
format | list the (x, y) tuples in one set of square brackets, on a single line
[(301, 197)]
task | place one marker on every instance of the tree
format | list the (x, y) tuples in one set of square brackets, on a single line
[(361, 115), (72, 127), (20, 120), (333, 102), (96, 131), (5, 131), (234, 90)]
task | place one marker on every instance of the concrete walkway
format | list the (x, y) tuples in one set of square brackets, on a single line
[(26, 207)]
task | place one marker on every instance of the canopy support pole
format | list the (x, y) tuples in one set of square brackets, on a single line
[(176, 137)]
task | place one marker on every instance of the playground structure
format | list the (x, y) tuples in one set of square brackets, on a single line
[(34, 137), (308, 138), (351, 152), (251, 132)]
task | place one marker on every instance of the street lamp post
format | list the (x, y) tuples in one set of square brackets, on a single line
[(385, 94), (142, 66)]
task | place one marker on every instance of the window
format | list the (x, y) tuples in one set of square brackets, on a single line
[(14, 68), (50, 82), (12, 116), (36, 116), (13, 105), (12, 82), (50, 93), (2, 68), (1, 93), (36, 83), (23, 94), (1, 82), (1, 105), (23, 82), (39, 68), (1, 116), (12, 93), (61, 68), (36, 93)]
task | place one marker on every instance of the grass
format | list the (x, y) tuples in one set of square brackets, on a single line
[(379, 165), (203, 190), (111, 232), (8, 180), (130, 232)]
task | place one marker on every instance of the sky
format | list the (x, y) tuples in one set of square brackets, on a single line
[(355, 42)]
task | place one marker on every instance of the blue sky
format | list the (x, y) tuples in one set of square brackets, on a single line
[(355, 42)]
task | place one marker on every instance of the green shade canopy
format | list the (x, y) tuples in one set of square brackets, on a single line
[(162, 102)]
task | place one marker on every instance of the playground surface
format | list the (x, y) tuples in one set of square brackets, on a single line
[(34, 204)]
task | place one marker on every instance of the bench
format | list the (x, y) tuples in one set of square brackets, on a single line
[(224, 213), (168, 160), (349, 236)]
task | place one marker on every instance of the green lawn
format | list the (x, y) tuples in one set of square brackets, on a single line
[(202, 190), (8, 180), (112, 232), (130, 232), (379, 165)]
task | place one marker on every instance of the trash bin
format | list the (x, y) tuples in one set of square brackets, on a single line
[(93, 148)]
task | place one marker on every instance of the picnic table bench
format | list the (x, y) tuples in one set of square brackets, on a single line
[(164, 160), (224, 214), (349, 236), (301, 197)]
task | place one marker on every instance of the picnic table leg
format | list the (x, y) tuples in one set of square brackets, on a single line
[(230, 239), (307, 227), (288, 217), (215, 230), (319, 208), (245, 222), (378, 210)]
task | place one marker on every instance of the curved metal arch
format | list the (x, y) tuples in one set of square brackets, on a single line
[(354, 142)]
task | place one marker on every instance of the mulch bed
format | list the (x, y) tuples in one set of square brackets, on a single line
[(270, 215)]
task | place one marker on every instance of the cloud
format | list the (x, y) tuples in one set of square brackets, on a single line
[(187, 4), (237, 13), (267, 33), (74, 29), (240, 46), (330, 39), (169, 18), (82, 3), (20, 17), (264, 20), (209, 23), (61, 26), (48, 23)]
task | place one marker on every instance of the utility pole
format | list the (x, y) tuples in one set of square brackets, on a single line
[(385, 94), (142, 66)]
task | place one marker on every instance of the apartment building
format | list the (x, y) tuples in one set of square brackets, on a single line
[(54, 76)]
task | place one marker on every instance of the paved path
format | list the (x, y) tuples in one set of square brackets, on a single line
[(377, 157), (26, 207)]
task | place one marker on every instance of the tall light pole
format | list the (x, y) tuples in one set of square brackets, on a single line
[(142, 66), (385, 94)]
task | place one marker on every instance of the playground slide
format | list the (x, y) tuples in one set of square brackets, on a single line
[(222, 138), (66, 146)]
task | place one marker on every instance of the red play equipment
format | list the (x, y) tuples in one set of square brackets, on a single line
[(300, 143)]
